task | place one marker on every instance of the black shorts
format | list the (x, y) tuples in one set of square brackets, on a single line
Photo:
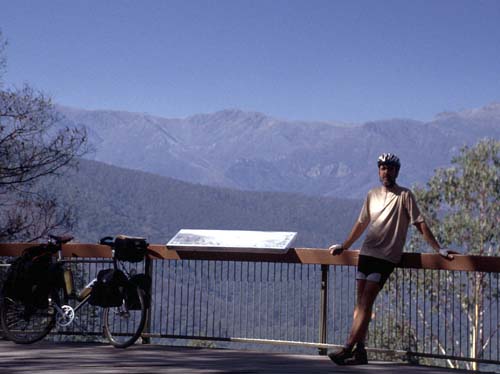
[(374, 269)]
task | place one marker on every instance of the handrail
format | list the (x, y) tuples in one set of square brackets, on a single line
[(319, 256), (283, 303)]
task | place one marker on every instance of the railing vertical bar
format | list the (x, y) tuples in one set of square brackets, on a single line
[(440, 313), (467, 320), (184, 310), (287, 286), (453, 311), (294, 303), (228, 297), (410, 307), (169, 284), (417, 319), (245, 310), (220, 298), (342, 305), (194, 300), (213, 293), (174, 304), (241, 300), (460, 338), (273, 301), (315, 322), (206, 278), (280, 292), (336, 306), (323, 307), (253, 281), (432, 319), (259, 312), (427, 301), (270, 301), (200, 300), (490, 315), (308, 301), (298, 289), (234, 301), (404, 307)]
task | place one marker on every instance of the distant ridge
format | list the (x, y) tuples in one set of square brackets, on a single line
[(251, 151)]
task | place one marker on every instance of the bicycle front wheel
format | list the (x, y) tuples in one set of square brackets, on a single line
[(25, 324), (123, 326)]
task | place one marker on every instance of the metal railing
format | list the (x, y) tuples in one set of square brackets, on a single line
[(430, 308)]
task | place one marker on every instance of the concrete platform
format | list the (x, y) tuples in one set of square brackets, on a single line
[(80, 358)]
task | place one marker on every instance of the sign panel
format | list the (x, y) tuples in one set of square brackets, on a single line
[(232, 240)]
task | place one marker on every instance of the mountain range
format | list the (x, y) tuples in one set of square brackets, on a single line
[(255, 152)]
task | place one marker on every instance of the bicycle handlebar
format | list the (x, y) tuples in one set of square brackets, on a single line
[(107, 240)]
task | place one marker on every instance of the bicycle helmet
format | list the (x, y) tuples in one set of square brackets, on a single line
[(389, 159)]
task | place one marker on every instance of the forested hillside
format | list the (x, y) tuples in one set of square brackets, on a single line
[(109, 200)]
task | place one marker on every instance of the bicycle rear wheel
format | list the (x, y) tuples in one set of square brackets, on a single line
[(123, 326), (25, 324)]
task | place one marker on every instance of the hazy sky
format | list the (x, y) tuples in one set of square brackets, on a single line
[(347, 60)]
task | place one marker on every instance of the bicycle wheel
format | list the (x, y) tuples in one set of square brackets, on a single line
[(122, 326), (25, 324)]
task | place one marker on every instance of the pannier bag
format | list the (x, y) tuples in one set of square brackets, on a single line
[(131, 249), (109, 288), (143, 281), (29, 277)]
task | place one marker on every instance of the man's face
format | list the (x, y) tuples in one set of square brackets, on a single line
[(387, 175)]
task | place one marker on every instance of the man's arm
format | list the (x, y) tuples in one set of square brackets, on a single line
[(356, 232), (429, 238)]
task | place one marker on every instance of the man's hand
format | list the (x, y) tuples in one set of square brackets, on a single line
[(446, 253), (336, 249)]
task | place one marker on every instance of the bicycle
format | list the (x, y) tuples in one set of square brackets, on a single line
[(28, 320)]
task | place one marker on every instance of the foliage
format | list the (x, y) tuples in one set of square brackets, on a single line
[(462, 204), (33, 145), (464, 200)]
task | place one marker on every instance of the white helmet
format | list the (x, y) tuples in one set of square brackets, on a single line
[(389, 159)]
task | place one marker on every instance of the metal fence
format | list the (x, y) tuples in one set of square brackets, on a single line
[(429, 310)]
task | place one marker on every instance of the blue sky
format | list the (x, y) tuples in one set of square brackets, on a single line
[(349, 61)]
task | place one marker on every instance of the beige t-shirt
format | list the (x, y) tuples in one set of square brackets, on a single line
[(389, 213)]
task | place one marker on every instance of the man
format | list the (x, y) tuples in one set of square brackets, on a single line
[(388, 210)]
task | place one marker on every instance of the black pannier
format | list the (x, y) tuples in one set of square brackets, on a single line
[(109, 288), (128, 248), (143, 281), (29, 277)]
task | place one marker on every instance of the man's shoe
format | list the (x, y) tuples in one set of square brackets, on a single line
[(360, 357), (341, 356)]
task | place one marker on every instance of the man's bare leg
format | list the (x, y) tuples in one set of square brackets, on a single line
[(367, 293)]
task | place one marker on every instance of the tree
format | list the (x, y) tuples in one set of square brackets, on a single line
[(34, 145), (462, 204)]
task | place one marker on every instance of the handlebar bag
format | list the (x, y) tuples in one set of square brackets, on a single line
[(109, 289), (131, 249)]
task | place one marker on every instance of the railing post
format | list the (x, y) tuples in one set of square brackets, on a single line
[(323, 308), (148, 269)]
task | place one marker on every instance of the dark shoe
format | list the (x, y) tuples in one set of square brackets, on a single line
[(341, 356), (360, 357)]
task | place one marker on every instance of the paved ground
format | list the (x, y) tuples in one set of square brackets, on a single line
[(83, 358)]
